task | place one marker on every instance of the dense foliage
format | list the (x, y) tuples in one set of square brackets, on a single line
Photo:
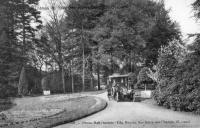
[(17, 37), (178, 82), (132, 31), (87, 40), (178, 74), (165, 70)]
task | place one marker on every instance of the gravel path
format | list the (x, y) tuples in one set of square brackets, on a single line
[(136, 115)]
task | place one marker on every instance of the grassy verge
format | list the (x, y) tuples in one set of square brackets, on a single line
[(51, 113)]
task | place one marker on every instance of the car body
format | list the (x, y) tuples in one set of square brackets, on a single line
[(120, 87)]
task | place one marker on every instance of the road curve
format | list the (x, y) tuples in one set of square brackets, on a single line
[(135, 115)]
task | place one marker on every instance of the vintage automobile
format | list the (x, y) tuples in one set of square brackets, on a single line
[(121, 87)]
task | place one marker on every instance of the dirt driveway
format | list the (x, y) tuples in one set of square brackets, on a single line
[(136, 115)]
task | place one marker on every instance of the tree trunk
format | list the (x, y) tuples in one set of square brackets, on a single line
[(83, 52), (61, 65), (72, 76), (23, 83), (72, 83), (98, 76), (91, 83), (112, 67), (63, 79), (24, 32), (91, 75)]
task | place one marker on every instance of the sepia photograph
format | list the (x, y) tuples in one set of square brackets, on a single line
[(99, 63)]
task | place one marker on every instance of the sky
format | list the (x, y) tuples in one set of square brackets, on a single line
[(180, 11)]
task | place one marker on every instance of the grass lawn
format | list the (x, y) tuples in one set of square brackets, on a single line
[(48, 111)]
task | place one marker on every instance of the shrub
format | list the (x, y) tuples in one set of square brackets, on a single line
[(167, 103), (165, 72), (178, 82)]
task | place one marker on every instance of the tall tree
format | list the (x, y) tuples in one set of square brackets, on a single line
[(129, 31), (83, 16), (26, 16), (25, 21), (9, 54), (54, 29), (163, 32), (22, 21)]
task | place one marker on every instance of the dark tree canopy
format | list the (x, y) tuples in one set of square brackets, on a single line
[(94, 37), (196, 7), (17, 37), (133, 31)]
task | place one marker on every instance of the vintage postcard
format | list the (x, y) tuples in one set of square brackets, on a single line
[(99, 64)]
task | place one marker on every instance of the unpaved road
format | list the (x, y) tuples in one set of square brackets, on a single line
[(136, 115)]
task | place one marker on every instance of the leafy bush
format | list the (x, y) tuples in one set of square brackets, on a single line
[(167, 103), (178, 81)]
